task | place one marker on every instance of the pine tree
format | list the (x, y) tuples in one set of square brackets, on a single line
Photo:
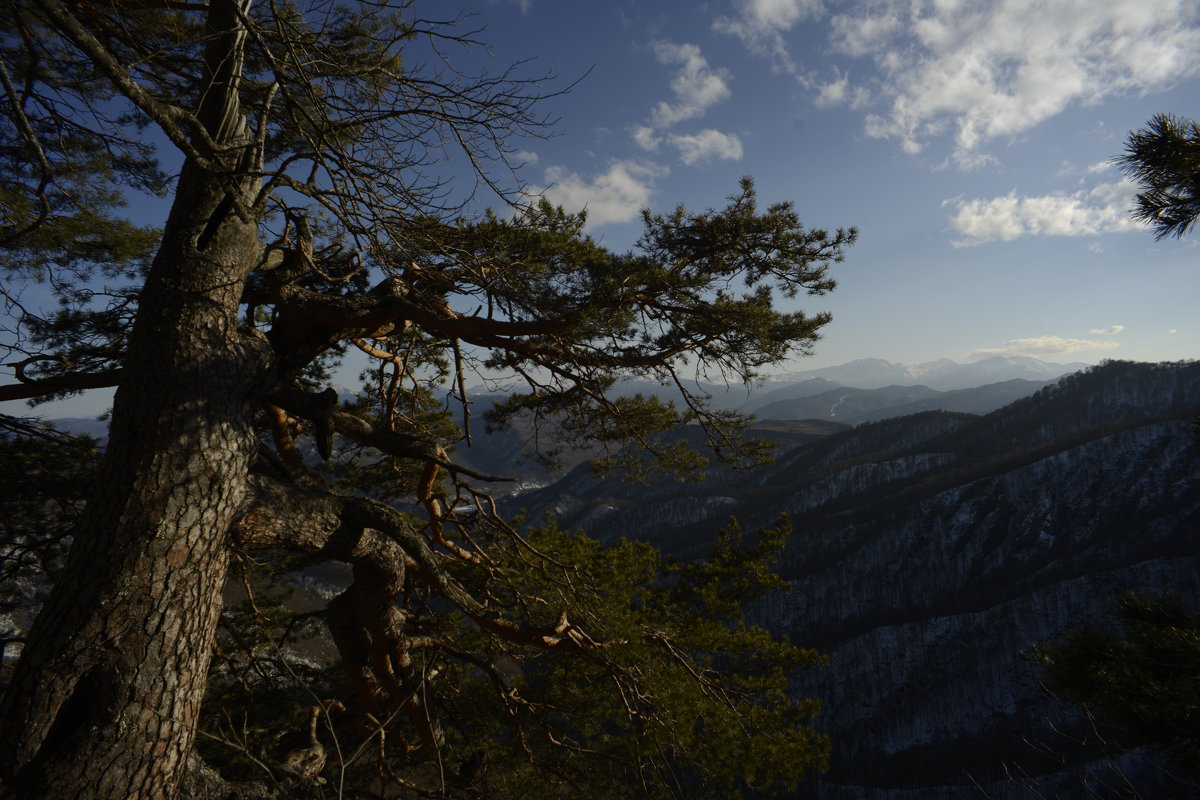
[(1164, 159), (1139, 673), (307, 217)]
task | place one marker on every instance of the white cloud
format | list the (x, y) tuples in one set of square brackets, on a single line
[(761, 24), (839, 90), (696, 85), (984, 70), (1103, 209), (1109, 331), (526, 157), (834, 92), (707, 145), (1172, 331), (1043, 346), (860, 35), (618, 195), (646, 138)]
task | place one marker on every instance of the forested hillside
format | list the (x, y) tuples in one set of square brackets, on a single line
[(931, 551)]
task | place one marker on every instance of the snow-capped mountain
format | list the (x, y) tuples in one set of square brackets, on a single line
[(943, 374)]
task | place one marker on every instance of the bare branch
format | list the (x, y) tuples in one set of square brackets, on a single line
[(175, 122), (67, 382)]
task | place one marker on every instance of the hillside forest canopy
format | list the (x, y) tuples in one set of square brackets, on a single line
[(305, 151)]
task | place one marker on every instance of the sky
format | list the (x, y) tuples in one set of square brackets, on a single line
[(969, 141)]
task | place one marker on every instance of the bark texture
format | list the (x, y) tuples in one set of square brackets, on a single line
[(104, 701)]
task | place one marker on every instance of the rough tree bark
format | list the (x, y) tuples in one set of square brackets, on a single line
[(105, 699)]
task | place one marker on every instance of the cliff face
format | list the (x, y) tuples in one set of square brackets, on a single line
[(931, 551)]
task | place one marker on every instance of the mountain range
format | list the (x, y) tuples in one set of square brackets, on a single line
[(943, 374), (848, 394), (851, 406), (931, 551), (933, 385)]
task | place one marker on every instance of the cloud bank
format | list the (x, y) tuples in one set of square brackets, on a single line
[(1102, 209), (1043, 346), (982, 70)]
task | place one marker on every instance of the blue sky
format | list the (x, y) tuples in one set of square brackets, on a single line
[(968, 141)]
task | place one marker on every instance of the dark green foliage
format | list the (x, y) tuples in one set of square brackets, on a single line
[(398, 395), (1138, 674), (688, 700), (682, 698), (62, 199), (1164, 159), (697, 295)]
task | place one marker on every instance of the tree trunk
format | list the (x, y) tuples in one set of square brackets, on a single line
[(103, 703)]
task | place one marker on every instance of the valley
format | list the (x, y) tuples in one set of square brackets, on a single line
[(930, 551)]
